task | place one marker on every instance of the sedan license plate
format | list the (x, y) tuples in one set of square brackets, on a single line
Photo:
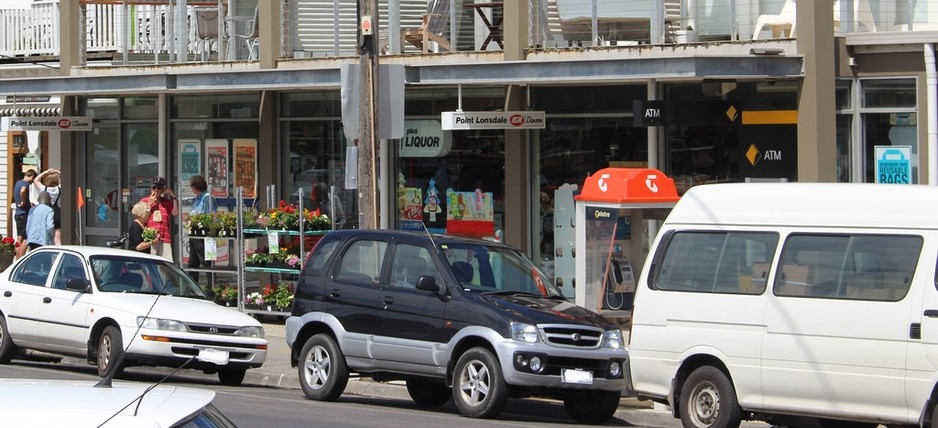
[(576, 376), (216, 356)]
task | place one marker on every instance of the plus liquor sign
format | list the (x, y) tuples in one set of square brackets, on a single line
[(893, 164)]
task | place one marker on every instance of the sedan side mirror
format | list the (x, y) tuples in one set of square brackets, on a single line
[(77, 284)]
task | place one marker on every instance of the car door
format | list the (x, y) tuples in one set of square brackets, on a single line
[(23, 294), (351, 292), (63, 313), (411, 320)]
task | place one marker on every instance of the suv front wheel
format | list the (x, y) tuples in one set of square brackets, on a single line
[(322, 369), (479, 389)]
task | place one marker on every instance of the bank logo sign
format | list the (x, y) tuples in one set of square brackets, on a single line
[(60, 123), (465, 120)]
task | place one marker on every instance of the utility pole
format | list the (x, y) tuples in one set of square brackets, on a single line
[(368, 117)]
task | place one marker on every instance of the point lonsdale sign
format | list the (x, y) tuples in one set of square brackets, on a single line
[(55, 123), (463, 120)]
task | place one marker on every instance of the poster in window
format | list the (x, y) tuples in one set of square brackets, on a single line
[(216, 167), (245, 171), (470, 213), (190, 164)]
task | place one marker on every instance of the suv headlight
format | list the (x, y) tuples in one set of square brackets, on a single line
[(251, 331), (612, 339), (160, 324), (525, 332)]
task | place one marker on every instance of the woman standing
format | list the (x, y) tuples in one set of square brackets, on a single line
[(141, 213)]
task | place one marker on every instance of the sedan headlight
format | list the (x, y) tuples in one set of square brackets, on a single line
[(160, 324), (257, 332), (612, 339), (524, 332)]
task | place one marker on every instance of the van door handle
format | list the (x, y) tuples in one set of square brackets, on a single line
[(7, 294), (335, 293), (931, 313), (46, 300), (388, 300)]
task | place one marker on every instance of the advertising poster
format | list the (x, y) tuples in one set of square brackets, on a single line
[(410, 207), (190, 164), (245, 168), (216, 167), (470, 213)]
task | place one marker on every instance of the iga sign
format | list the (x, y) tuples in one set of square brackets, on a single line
[(61, 123), (425, 139), (463, 120)]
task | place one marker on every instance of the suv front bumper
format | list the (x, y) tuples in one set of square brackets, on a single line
[(555, 359)]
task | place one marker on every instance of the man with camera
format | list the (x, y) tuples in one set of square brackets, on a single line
[(163, 206)]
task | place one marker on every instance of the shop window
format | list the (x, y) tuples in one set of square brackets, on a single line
[(889, 129), (844, 143), (888, 93), (842, 94), (240, 106), (101, 108), (140, 108), (311, 104), (315, 161)]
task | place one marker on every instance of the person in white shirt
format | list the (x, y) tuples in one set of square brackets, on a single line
[(49, 181)]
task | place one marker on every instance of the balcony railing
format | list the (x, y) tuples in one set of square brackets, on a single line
[(161, 31)]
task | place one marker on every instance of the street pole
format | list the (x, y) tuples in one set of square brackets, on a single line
[(368, 121)]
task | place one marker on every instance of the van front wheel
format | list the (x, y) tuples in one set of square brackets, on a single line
[(708, 399)]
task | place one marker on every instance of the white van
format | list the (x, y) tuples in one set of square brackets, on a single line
[(768, 301)]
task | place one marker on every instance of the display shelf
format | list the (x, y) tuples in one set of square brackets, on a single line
[(221, 270), (285, 232), (271, 270)]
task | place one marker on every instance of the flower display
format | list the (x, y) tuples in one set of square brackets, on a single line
[(284, 216), (149, 234), (8, 245), (293, 260), (279, 294), (258, 256), (315, 220), (225, 293), (254, 298)]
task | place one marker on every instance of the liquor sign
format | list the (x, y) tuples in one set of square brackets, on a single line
[(425, 139), (59, 123), (465, 120)]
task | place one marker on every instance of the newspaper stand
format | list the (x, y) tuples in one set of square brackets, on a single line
[(634, 194)]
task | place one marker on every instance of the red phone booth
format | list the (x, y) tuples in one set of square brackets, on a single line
[(610, 233)]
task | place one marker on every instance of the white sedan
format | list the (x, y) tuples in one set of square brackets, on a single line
[(120, 308)]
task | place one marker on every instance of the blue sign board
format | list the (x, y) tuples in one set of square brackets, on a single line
[(893, 164)]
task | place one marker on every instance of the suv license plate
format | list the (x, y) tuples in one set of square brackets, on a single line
[(216, 356), (576, 376)]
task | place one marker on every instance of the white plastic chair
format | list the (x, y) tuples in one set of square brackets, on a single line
[(206, 24), (250, 39), (784, 21)]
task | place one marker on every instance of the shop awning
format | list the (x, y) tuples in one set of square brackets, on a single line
[(630, 188), (31, 111)]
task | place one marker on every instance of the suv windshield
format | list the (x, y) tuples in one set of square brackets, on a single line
[(484, 268), (132, 275)]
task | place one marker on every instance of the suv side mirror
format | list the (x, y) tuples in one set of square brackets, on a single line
[(427, 283)]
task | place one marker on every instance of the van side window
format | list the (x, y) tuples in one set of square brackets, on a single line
[(850, 267), (717, 262)]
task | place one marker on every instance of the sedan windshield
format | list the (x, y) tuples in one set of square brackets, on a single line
[(484, 268), (120, 274)]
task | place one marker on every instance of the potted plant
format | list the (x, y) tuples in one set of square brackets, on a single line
[(257, 257), (225, 294), (284, 217), (254, 299), (149, 234), (279, 295), (315, 220), (227, 223), (197, 224), (7, 251)]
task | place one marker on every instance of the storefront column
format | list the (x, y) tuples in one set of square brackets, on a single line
[(269, 29), (268, 146), (515, 29), (817, 138), (517, 177), (68, 150), (70, 49)]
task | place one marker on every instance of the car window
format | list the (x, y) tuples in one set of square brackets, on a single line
[(321, 254), (70, 267), (34, 270), (409, 263), (488, 268), (362, 262), (123, 274), (850, 267), (716, 262)]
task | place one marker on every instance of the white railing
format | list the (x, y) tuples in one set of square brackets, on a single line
[(30, 31)]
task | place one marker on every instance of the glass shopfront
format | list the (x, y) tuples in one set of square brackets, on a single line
[(314, 156), (450, 181)]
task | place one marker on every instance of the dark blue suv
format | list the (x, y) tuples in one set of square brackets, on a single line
[(454, 317)]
